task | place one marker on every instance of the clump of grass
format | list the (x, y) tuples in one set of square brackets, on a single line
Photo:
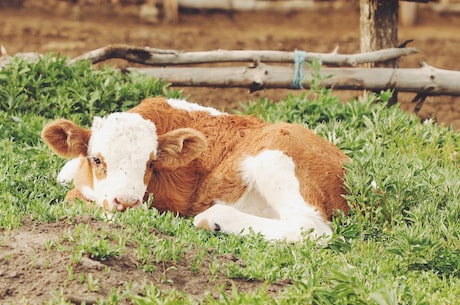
[(97, 245), (50, 88)]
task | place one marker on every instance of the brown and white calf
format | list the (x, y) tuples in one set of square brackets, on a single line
[(233, 173)]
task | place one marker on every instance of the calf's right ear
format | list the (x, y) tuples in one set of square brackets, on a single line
[(66, 138), (179, 147)]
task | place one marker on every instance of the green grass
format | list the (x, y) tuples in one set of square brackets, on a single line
[(399, 245)]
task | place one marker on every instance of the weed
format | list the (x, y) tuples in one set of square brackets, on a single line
[(92, 283), (96, 245)]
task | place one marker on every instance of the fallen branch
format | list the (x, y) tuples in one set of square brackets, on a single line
[(447, 8), (426, 80), (153, 56), (419, 100), (29, 57), (247, 5)]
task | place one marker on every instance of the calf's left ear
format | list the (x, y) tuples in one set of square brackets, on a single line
[(179, 147), (66, 138)]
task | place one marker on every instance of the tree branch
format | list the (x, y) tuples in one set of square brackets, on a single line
[(153, 56), (426, 80), (248, 5)]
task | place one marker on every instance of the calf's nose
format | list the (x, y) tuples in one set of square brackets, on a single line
[(124, 202)]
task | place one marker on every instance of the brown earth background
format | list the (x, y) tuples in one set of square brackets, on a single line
[(72, 29), (27, 270)]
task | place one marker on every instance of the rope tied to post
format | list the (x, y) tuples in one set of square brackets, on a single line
[(299, 64)]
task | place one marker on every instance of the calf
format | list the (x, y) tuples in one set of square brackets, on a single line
[(233, 173)]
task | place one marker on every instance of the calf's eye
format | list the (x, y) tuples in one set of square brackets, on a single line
[(97, 160), (152, 163)]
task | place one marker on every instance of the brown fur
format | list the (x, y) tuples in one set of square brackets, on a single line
[(84, 175), (189, 188), (216, 174), (66, 138), (100, 170)]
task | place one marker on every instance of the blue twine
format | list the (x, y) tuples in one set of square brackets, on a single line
[(299, 61)]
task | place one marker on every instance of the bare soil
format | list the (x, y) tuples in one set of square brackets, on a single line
[(27, 269), (31, 270)]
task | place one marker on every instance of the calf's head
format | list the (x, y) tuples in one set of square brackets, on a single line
[(113, 162)]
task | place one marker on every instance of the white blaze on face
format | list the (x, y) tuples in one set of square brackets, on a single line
[(120, 150)]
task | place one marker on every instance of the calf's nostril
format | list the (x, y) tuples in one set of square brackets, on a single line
[(126, 202)]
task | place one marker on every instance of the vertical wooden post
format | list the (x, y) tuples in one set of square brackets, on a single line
[(171, 10), (379, 29), (407, 13)]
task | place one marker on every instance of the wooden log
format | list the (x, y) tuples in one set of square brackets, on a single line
[(453, 8), (248, 5), (426, 80), (419, 1), (153, 56), (171, 10), (407, 13)]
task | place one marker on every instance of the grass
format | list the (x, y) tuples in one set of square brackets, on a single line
[(399, 245)]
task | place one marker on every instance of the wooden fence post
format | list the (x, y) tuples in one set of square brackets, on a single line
[(379, 30)]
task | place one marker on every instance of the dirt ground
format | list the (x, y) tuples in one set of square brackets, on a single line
[(30, 273), (27, 269)]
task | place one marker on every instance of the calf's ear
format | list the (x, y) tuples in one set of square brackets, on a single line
[(179, 147), (66, 138)]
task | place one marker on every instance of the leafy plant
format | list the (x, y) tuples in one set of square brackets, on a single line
[(96, 245)]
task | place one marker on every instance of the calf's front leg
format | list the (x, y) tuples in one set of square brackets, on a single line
[(226, 219), (75, 194)]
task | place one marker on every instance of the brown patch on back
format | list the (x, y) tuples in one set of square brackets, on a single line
[(215, 174), (284, 132), (162, 114)]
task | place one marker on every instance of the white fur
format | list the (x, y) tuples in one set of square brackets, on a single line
[(188, 106), (274, 198), (89, 193), (68, 172), (126, 141)]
